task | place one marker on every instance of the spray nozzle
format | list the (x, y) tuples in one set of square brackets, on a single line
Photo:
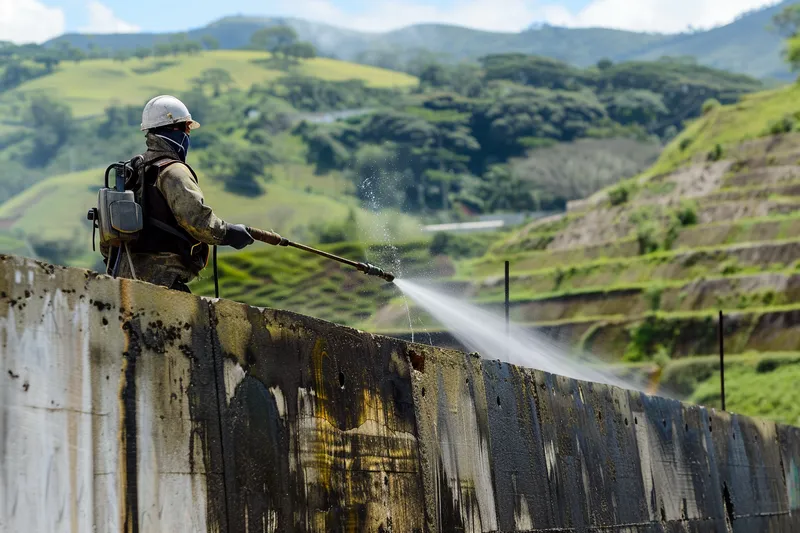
[(371, 270)]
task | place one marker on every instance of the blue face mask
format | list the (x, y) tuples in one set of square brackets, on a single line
[(179, 141)]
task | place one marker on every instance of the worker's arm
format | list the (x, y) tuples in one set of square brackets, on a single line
[(185, 199)]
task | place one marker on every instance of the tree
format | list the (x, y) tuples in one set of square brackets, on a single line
[(142, 52), (192, 47), (434, 75), (500, 190), (534, 70), (162, 49), (76, 54), (788, 24), (636, 107), (346, 231), (202, 106), (209, 42), (122, 55), (467, 79), (300, 50), (177, 43), (50, 61), (52, 123), (15, 73), (119, 119), (67, 52), (604, 64), (274, 39), (787, 21), (217, 78), (248, 168)]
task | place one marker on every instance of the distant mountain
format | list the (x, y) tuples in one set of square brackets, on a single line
[(746, 45)]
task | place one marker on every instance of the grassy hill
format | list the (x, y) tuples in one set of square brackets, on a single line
[(635, 274), (135, 81), (746, 45)]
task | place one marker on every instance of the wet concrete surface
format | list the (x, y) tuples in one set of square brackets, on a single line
[(126, 407)]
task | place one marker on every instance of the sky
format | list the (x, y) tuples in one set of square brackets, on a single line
[(39, 20)]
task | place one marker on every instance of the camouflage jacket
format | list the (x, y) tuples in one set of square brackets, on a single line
[(185, 199)]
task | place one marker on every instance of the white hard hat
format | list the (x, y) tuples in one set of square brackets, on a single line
[(165, 110)]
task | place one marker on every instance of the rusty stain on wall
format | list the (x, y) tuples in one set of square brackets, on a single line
[(126, 407)]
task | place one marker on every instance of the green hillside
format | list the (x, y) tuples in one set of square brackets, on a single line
[(459, 141), (746, 45)]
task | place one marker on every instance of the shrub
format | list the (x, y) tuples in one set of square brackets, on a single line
[(653, 295), (729, 267), (715, 154), (784, 125), (619, 194), (766, 365), (685, 143), (673, 229), (560, 276), (439, 243), (646, 237), (662, 357), (460, 246), (710, 105), (346, 231), (650, 337), (687, 213)]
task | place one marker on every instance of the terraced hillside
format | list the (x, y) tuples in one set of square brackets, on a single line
[(639, 273)]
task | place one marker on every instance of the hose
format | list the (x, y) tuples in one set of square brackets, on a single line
[(216, 273), (115, 270), (130, 261)]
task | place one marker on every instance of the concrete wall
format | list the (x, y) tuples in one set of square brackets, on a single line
[(124, 407)]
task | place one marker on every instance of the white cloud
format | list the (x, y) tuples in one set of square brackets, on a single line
[(103, 20), (667, 16), (384, 15), (26, 21), (514, 15)]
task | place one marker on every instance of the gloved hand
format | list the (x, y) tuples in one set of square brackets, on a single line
[(236, 235)]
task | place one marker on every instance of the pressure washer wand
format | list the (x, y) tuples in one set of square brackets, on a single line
[(270, 237)]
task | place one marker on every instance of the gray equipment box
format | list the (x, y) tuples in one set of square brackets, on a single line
[(120, 217)]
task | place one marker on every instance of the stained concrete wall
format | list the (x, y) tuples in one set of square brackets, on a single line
[(124, 407)]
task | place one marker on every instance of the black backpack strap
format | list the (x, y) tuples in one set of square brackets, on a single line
[(159, 165), (169, 229)]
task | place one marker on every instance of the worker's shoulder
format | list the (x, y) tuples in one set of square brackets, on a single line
[(176, 169)]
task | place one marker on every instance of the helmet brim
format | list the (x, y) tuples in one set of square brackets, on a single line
[(193, 125)]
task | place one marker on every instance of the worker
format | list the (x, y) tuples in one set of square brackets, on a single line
[(179, 227)]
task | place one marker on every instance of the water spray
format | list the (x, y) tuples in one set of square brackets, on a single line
[(270, 237)]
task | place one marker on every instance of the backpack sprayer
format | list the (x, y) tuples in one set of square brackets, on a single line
[(117, 217), (270, 237)]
